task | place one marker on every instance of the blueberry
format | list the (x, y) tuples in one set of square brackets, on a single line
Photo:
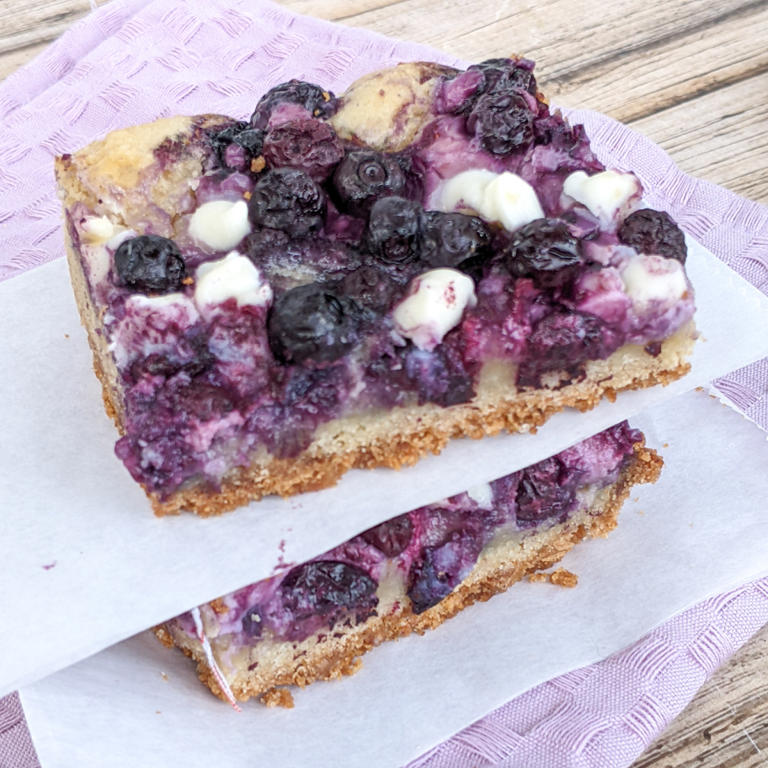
[(394, 230), (391, 537), (310, 145), (454, 240), (502, 122), (149, 263), (440, 376), (312, 322), (545, 250), (236, 145), (364, 176), (544, 492), (328, 588), (563, 341), (252, 622), (440, 569), (312, 98), (649, 231), (287, 199), (504, 74)]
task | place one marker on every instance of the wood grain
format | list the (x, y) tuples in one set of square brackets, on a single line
[(693, 76)]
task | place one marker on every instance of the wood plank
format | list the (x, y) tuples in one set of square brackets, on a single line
[(24, 24), (655, 79), (725, 725), (720, 136)]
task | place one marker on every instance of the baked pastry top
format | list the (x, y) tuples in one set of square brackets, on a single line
[(353, 281)]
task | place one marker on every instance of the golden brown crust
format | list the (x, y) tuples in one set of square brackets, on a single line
[(340, 657)]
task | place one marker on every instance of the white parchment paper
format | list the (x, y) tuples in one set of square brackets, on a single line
[(701, 529), (83, 559)]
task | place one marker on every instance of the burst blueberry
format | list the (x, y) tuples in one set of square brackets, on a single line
[(311, 98), (312, 322), (328, 588), (289, 200), (502, 122), (310, 145), (390, 537), (545, 250), (650, 231), (149, 263)]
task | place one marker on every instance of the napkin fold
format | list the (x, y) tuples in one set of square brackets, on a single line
[(136, 60)]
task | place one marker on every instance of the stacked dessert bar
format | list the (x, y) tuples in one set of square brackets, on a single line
[(352, 282)]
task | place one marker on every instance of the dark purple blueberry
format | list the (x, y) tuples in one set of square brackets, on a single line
[(454, 239), (328, 588), (310, 145), (544, 491), (311, 322), (236, 145), (502, 122), (394, 230), (391, 537), (287, 199), (563, 341), (252, 622), (649, 231), (505, 74), (545, 250), (312, 98), (440, 375), (149, 263), (364, 176), (191, 356), (441, 569)]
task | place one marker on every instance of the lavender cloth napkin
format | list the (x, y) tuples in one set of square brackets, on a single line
[(136, 60)]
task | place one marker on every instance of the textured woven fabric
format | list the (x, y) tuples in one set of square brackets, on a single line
[(136, 60)]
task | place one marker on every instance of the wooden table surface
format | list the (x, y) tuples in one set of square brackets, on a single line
[(690, 74)]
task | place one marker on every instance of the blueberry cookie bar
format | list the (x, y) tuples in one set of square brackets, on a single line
[(353, 281), (409, 574)]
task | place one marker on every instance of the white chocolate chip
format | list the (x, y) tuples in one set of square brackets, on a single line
[(605, 194), (500, 197), (220, 224), (434, 304), (97, 230), (650, 277), (233, 277)]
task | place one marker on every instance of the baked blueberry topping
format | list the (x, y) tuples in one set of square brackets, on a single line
[(236, 145), (453, 239), (287, 199), (391, 537), (252, 621), (369, 286), (149, 263), (364, 176), (505, 74), (312, 322), (544, 491), (502, 122), (394, 230), (328, 588), (440, 569), (649, 231), (563, 341), (546, 251), (310, 145), (312, 98)]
